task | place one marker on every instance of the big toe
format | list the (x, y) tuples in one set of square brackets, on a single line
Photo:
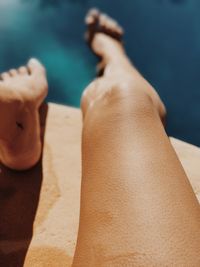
[(92, 16), (35, 67), (38, 72)]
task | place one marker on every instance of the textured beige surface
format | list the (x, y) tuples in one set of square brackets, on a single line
[(39, 209)]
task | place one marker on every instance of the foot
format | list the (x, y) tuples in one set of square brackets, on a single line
[(22, 91), (105, 38), (104, 34)]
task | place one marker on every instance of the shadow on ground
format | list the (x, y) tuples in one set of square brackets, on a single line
[(19, 197)]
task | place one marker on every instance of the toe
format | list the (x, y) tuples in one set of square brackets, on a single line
[(92, 21), (35, 67), (113, 25), (5, 76), (109, 25), (119, 29), (38, 73), (92, 16), (23, 71), (13, 72), (103, 20)]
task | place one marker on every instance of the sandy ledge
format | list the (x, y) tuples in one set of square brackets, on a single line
[(40, 208)]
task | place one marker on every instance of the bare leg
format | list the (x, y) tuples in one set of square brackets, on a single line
[(137, 206), (22, 92), (115, 65)]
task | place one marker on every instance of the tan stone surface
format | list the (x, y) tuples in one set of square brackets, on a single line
[(39, 208)]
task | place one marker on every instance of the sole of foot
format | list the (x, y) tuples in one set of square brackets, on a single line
[(22, 92)]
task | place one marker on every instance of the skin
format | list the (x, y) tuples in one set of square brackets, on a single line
[(137, 205), (22, 91)]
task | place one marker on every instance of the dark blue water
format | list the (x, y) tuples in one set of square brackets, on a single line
[(162, 38)]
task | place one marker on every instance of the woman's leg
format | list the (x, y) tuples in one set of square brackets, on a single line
[(137, 205)]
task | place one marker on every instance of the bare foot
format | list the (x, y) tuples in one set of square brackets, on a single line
[(118, 74), (103, 34), (22, 91)]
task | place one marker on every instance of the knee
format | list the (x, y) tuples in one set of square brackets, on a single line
[(129, 98)]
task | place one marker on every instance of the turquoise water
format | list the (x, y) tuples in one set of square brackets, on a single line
[(162, 38)]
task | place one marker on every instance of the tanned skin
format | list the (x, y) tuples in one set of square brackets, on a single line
[(137, 205)]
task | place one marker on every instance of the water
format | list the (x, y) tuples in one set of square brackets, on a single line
[(162, 38)]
